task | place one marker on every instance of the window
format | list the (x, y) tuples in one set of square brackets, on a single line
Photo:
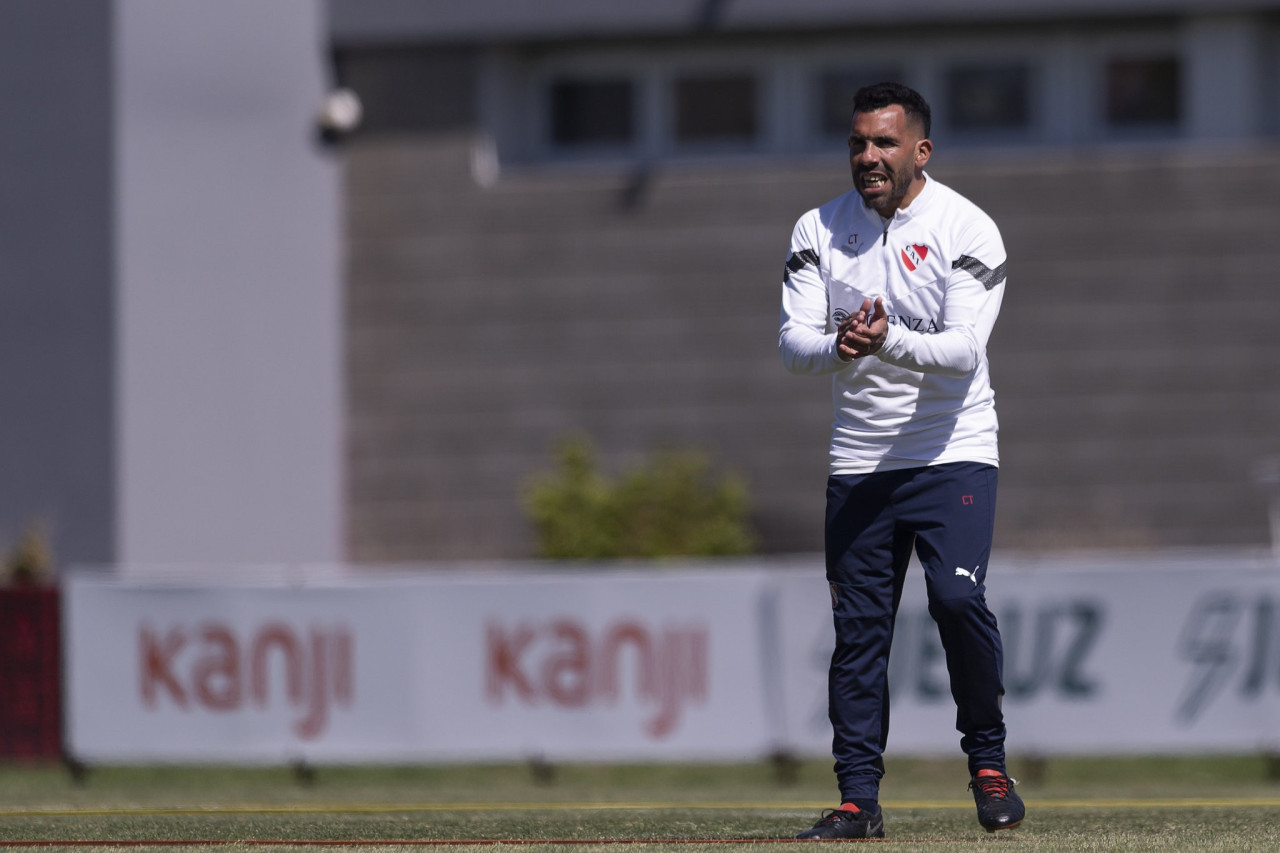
[(836, 88), (1143, 91), (592, 112), (715, 108), (989, 96)]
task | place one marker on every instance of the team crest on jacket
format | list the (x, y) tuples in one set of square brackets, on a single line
[(914, 255)]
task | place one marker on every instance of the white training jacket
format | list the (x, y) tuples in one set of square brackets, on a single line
[(925, 398)]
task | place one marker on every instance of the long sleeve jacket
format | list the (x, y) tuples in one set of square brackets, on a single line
[(939, 265)]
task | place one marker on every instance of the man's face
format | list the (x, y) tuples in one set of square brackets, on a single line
[(886, 152)]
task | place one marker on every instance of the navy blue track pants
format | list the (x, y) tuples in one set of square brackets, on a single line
[(945, 513)]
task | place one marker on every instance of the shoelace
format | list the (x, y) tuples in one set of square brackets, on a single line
[(833, 815), (993, 786)]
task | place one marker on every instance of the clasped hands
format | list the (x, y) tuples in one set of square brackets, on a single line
[(863, 333)]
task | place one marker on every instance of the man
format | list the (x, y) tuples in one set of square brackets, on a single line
[(894, 288)]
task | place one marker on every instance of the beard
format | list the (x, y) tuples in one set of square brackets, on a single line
[(889, 195)]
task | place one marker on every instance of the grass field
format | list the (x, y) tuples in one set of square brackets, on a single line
[(1130, 804)]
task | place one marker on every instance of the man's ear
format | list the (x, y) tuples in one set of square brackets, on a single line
[(923, 149)]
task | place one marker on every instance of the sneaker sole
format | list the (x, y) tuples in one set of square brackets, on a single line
[(1006, 826)]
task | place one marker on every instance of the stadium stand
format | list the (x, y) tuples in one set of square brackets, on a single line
[(1135, 361)]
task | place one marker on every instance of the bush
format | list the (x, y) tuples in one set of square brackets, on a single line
[(668, 507)]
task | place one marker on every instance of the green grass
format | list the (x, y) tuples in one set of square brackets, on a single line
[(1120, 804)]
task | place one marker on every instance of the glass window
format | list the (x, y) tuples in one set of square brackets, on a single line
[(1143, 91), (715, 108), (836, 88), (592, 112), (989, 96)]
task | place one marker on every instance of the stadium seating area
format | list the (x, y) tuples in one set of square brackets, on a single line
[(1136, 364)]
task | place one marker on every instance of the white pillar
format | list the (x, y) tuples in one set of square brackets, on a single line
[(228, 268)]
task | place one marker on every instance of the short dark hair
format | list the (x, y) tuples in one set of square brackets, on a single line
[(880, 95)]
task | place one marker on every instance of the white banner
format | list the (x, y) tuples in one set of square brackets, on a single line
[(1121, 656), (458, 667), (248, 674), (650, 663)]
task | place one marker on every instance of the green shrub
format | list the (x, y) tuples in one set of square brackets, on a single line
[(668, 507)]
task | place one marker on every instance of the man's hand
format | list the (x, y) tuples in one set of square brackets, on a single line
[(863, 333)]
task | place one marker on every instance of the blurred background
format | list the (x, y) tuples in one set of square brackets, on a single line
[(226, 338), (336, 282)]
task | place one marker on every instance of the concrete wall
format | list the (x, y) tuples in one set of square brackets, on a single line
[(57, 391), (505, 293), (229, 311), (1135, 360), (170, 294)]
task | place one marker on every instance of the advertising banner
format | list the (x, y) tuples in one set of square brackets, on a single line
[(649, 663), (454, 667), (1098, 658), (243, 674)]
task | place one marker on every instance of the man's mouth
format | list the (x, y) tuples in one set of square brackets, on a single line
[(873, 181)]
